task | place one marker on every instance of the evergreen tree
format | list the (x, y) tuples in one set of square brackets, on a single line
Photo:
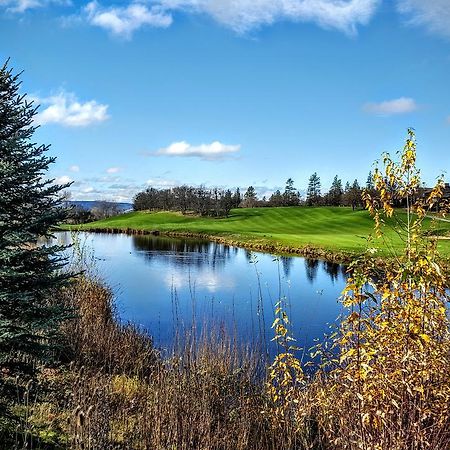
[(29, 207), (313, 191), (291, 196), (250, 198), (353, 195), (336, 191), (237, 198), (227, 202), (276, 199), (370, 186)]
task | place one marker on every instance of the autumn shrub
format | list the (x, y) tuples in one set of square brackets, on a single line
[(389, 385)]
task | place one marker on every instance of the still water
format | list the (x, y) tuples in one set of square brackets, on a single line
[(163, 284)]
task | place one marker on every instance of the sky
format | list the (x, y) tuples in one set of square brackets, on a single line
[(230, 93)]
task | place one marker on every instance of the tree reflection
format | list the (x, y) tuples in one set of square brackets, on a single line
[(333, 270), (286, 262), (312, 267), (182, 252)]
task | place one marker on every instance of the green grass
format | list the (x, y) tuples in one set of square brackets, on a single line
[(328, 228)]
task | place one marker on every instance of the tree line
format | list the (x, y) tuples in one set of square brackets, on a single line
[(198, 200), (217, 202)]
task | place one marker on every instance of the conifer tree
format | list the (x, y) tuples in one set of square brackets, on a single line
[(250, 198), (291, 196), (313, 192), (30, 206), (370, 185), (237, 198), (336, 192), (276, 199)]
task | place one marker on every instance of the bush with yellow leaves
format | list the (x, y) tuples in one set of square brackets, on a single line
[(389, 385)]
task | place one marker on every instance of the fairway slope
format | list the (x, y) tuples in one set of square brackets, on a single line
[(339, 231)]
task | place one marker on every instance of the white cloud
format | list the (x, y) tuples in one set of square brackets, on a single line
[(161, 183), (20, 6), (123, 21), (245, 15), (63, 180), (65, 109), (433, 14), (241, 16), (113, 170), (74, 168), (111, 188), (214, 151), (402, 105)]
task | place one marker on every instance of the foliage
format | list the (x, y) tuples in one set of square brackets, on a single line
[(250, 198), (389, 387), (197, 200), (285, 378), (291, 197), (353, 195), (29, 208), (313, 191), (336, 191)]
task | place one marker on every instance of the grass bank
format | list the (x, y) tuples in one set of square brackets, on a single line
[(333, 233)]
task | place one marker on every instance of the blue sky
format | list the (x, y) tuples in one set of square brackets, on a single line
[(230, 93)]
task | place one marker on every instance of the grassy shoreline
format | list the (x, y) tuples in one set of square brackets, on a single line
[(333, 234)]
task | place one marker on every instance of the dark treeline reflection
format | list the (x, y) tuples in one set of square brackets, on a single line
[(183, 252), (286, 262), (312, 267), (334, 271)]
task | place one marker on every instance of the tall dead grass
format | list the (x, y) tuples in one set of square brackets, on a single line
[(208, 394)]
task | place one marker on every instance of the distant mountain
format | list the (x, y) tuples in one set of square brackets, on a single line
[(88, 205)]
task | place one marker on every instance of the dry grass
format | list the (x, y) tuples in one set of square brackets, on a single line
[(209, 394)]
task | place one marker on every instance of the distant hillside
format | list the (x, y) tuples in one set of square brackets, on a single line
[(89, 205)]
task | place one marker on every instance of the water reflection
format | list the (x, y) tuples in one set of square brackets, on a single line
[(183, 252), (162, 283), (312, 267), (286, 262), (335, 271)]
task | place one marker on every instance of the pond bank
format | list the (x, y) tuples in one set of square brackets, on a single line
[(338, 257)]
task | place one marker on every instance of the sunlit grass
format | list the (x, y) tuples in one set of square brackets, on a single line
[(329, 228)]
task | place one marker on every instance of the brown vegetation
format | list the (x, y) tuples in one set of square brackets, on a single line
[(385, 384)]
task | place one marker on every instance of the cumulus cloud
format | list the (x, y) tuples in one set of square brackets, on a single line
[(20, 6), (241, 16), (433, 14), (124, 20), (64, 179), (74, 168), (65, 109), (402, 105), (113, 170), (245, 15), (214, 151)]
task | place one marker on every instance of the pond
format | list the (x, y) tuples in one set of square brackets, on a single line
[(166, 284)]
